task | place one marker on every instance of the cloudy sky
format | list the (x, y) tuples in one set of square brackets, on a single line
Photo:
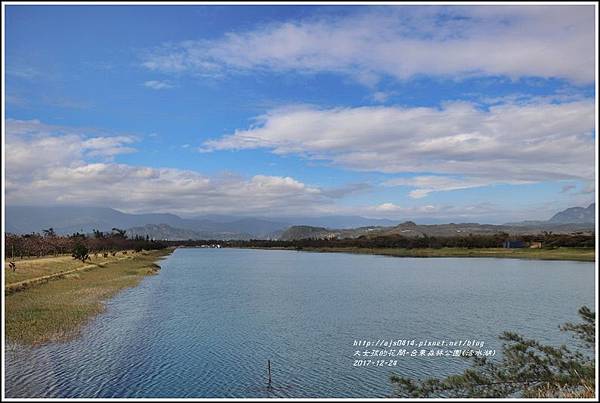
[(448, 113)]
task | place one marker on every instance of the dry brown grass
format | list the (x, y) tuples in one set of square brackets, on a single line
[(548, 391), (27, 269), (57, 309)]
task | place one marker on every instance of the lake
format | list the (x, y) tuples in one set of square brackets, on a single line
[(207, 324)]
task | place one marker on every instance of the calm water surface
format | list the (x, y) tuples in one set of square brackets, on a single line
[(208, 323)]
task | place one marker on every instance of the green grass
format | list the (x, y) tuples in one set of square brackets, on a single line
[(56, 310), (578, 254)]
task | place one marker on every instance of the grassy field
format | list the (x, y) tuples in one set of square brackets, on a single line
[(56, 310), (579, 254), (28, 269)]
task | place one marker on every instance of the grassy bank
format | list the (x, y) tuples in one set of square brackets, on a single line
[(578, 254), (30, 268), (57, 309)]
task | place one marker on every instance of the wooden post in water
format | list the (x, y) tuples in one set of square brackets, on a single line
[(269, 368)]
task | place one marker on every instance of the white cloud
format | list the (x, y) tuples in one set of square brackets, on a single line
[(472, 147), (380, 96), (139, 189), (157, 85), (401, 42), (435, 183), (387, 207), (32, 146), (58, 165), (51, 165), (107, 146)]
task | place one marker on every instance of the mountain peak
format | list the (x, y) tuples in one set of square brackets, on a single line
[(575, 215)]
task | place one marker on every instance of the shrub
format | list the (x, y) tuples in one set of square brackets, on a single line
[(80, 252)]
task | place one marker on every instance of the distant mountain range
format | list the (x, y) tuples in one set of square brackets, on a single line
[(572, 215), (410, 229), (67, 220), (164, 231), (576, 215), (575, 219), (306, 231)]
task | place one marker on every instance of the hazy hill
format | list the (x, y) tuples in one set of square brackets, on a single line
[(330, 221), (254, 227), (304, 232), (339, 222), (410, 229), (572, 215), (66, 220), (578, 215), (166, 232)]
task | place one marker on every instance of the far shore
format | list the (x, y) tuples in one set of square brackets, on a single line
[(563, 253)]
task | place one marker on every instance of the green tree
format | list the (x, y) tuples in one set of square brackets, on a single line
[(527, 369), (80, 252), (119, 233), (49, 232)]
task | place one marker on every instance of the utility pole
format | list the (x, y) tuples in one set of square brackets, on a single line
[(269, 368)]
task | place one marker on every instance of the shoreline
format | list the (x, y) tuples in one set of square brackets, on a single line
[(57, 310), (563, 253)]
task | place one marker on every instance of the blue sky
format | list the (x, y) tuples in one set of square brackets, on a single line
[(428, 113)]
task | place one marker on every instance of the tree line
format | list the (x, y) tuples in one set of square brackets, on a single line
[(49, 243), (547, 239)]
